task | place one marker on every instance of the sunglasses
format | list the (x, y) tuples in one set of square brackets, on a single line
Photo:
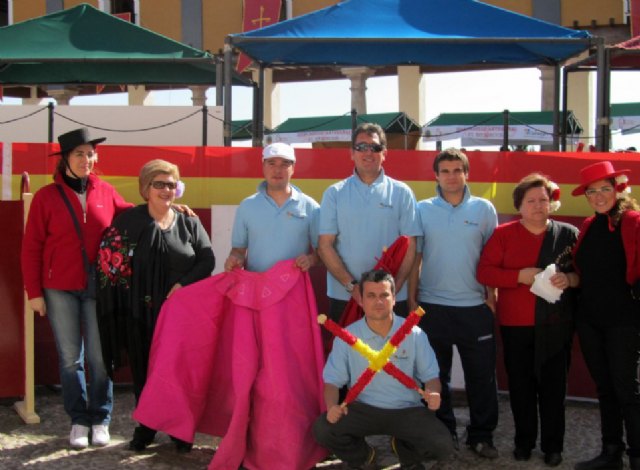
[(163, 184), (604, 191), (363, 147)]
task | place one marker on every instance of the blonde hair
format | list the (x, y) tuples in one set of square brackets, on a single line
[(150, 170)]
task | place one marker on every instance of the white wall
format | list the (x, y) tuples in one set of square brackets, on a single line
[(221, 225), (187, 132)]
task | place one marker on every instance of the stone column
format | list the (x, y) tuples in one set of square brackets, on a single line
[(61, 94), (358, 77), (271, 98), (33, 98), (199, 95), (411, 94), (546, 76), (138, 95), (581, 101)]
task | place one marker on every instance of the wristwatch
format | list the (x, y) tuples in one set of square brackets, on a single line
[(349, 286)]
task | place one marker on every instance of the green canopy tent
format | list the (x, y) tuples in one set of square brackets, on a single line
[(522, 128), (625, 117), (241, 129), (401, 130), (83, 45)]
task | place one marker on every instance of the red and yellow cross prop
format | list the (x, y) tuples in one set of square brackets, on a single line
[(378, 360)]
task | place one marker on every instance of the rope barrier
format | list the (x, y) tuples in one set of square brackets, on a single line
[(23, 117), (329, 121), (160, 126)]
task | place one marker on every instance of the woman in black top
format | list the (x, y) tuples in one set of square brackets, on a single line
[(148, 253), (608, 321)]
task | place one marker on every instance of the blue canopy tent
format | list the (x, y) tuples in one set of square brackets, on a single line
[(440, 33)]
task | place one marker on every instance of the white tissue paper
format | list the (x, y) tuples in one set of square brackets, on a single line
[(542, 286)]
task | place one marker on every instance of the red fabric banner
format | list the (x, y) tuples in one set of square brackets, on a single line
[(257, 14), (634, 7)]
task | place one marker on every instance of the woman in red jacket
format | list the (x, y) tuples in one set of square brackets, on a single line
[(607, 257), (536, 334), (58, 266)]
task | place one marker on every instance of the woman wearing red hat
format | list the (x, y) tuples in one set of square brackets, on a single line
[(60, 245), (607, 257)]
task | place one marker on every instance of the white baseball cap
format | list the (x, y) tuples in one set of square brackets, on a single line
[(279, 149)]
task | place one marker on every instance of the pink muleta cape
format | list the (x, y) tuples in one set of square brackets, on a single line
[(239, 355)]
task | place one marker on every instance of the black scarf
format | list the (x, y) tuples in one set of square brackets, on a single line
[(554, 322), (132, 288)]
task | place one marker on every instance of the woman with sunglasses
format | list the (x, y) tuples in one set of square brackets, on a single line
[(148, 253), (607, 258)]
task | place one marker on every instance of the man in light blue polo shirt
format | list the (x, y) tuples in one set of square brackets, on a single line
[(385, 406), (362, 215), (278, 222), (456, 226)]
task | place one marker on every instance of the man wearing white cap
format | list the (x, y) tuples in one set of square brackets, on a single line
[(278, 222)]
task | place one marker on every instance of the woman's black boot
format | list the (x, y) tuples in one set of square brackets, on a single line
[(182, 447), (142, 437), (609, 459)]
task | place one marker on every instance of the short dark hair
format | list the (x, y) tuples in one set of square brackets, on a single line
[(451, 155), (370, 129), (533, 180), (377, 275)]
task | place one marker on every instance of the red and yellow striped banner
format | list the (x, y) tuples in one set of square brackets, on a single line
[(226, 175)]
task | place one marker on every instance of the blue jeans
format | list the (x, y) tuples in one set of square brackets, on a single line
[(72, 315)]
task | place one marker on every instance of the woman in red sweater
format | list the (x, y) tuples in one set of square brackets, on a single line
[(536, 334), (57, 269)]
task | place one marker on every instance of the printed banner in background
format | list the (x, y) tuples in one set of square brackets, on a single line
[(257, 14)]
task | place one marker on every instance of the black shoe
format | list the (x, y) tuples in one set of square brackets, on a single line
[(521, 454), (485, 450), (182, 447), (142, 437), (413, 466), (609, 459), (370, 463), (552, 459)]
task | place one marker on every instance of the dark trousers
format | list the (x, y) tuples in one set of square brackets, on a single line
[(611, 355), (471, 330), (531, 396), (419, 434)]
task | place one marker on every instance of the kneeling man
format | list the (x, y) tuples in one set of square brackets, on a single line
[(385, 406)]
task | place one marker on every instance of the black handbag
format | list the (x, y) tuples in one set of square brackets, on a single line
[(88, 267)]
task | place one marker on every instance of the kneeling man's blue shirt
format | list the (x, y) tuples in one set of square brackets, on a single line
[(414, 357)]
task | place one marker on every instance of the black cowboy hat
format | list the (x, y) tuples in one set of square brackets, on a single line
[(72, 139)]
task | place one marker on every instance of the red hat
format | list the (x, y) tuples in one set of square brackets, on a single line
[(596, 172)]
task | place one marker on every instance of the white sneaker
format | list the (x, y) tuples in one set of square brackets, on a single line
[(79, 436), (100, 435)]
